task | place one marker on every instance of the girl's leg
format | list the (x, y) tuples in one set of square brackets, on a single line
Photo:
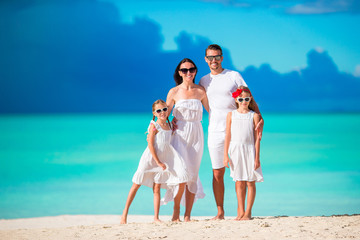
[(250, 200), (129, 200), (156, 190), (189, 201), (240, 188), (177, 199)]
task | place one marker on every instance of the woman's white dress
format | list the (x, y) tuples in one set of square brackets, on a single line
[(242, 148), (149, 172), (188, 140)]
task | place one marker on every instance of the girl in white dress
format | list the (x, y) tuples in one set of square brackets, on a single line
[(187, 100), (160, 165), (242, 144)]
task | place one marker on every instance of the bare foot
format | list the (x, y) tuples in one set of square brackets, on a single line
[(239, 216), (156, 220), (187, 219), (176, 216), (245, 218), (123, 220), (218, 217)]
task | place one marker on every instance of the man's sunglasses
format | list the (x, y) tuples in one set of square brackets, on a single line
[(161, 110), (240, 99), (217, 57), (185, 70)]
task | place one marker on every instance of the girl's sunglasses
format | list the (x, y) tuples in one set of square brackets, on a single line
[(161, 110), (240, 99), (185, 70)]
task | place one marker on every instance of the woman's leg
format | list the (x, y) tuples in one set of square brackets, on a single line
[(156, 190), (177, 199), (189, 201), (129, 200), (240, 188), (250, 200)]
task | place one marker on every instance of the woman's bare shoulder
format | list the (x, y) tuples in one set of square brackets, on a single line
[(173, 91)]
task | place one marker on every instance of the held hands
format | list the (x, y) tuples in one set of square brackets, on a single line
[(160, 164), (174, 125), (226, 161), (257, 165), (259, 128)]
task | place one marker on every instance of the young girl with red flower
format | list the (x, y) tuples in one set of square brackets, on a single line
[(242, 150)]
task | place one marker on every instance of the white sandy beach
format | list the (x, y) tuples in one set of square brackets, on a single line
[(141, 227)]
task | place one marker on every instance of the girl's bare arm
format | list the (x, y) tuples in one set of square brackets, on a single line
[(227, 140), (257, 119), (151, 144)]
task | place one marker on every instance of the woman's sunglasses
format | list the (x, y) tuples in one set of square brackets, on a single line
[(161, 110), (240, 99), (185, 70), (217, 57)]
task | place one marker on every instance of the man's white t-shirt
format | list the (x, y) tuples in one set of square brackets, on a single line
[(219, 89)]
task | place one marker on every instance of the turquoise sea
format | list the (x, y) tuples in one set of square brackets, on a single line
[(83, 164)]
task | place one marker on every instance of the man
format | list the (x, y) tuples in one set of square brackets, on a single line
[(219, 84)]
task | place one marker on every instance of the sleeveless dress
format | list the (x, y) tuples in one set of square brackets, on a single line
[(149, 172), (188, 140), (242, 148)]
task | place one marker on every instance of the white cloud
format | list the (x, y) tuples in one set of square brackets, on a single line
[(305, 7), (357, 71), (319, 49), (321, 7)]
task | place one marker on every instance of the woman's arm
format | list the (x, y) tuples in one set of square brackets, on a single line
[(257, 119), (170, 101), (151, 143), (227, 140), (204, 99)]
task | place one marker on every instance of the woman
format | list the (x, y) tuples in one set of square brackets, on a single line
[(187, 100)]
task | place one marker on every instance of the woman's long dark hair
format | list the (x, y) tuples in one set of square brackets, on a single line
[(178, 79)]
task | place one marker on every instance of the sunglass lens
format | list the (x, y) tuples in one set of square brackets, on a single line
[(217, 58), (158, 111), (247, 99), (240, 99), (185, 70), (164, 109)]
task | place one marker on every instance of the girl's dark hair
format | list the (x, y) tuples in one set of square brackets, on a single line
[(153, 109), (252, 101), (178, 79)]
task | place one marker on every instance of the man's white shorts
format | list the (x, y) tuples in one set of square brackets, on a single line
[(216, 149)]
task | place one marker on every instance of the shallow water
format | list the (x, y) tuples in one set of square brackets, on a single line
[(83, 164)]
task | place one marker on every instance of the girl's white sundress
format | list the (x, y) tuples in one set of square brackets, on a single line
[(149, 172), (242, 148), (188, 140)]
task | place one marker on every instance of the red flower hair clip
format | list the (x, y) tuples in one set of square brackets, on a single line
[(238, 92)]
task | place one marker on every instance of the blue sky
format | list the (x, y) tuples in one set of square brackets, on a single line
[(276, 32), (61, 56)]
